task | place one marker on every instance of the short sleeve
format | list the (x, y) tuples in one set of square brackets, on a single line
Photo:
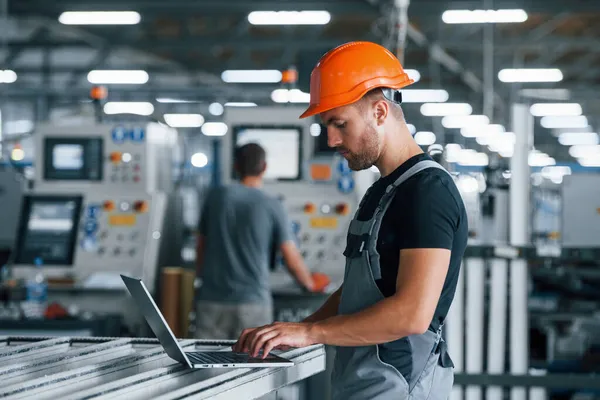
[(428, 217), (282, 228)]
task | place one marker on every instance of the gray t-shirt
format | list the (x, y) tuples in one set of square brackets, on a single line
[(241, 226)]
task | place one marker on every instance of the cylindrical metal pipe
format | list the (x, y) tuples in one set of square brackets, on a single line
[(455, 331), (522, 125), (488, 65), (401, 11), (497, 323), (475, 286)]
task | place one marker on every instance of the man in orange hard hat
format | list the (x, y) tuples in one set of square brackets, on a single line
[(404, 247)]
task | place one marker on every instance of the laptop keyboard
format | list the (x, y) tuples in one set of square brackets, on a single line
[(218, 357)]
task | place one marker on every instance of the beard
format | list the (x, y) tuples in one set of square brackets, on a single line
[(368, 153)]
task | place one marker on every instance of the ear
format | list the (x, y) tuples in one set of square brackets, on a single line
[(382, 110), (264, 167)]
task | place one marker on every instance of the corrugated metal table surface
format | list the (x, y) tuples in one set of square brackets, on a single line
[(134, 368)]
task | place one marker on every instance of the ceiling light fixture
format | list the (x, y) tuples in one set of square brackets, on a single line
[(99, 18), (513, 75), (122, 77), (444, 109), (555, 109), (289, 17), (484, 16)]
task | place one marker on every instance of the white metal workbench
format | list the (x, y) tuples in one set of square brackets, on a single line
[(132, 368)]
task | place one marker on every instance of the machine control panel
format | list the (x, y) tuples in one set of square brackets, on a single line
[(115, 157), (320, 216), (95, 234)]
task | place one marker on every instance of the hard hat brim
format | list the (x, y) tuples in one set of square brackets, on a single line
[(355, 95)]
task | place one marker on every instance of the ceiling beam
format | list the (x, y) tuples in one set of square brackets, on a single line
[(505, 45), (512, 44), (417, 8), (179, 7), (183, 44)]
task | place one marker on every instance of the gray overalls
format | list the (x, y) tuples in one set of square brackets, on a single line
[(369, 372)]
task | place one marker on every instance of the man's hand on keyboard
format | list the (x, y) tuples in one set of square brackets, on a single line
[(274, 336)]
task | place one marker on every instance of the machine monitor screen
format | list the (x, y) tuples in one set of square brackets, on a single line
[(73, 159), (283, 145), (48, 230)]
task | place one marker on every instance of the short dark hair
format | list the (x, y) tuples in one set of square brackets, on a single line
[(250, 160)]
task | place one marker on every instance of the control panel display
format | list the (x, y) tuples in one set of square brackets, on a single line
[(283, 146), (48, 230), (73, 159)]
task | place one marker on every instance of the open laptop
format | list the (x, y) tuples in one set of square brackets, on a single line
[(193, 359)]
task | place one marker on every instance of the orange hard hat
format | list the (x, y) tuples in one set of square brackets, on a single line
[(346, 73)]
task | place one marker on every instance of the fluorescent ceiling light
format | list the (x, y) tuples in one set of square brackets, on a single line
[(484, 16), (99, 18), (461, 121), (493, 137), (8, 76), (251, 76), (504, 148), (558, 122), (184, 120), (443, 109), (472, 158), (214, 129), (477, 131), (425, 138), (411, 128), (556, 173), (413, 74), (584, 151), (168, 100), (138, 108), (123, 77), (555, 109), (511, 75), (452, 151), (239, 104), (199, 160), (539, 159), (290, 96), (424, 96), (590, 162), (578, 139), (216, 109), (289, 17)]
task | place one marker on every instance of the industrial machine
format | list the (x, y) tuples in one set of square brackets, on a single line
[(101, 198), (12, 186), (317, 187)]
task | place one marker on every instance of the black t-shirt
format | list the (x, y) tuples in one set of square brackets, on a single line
[(427, 211)]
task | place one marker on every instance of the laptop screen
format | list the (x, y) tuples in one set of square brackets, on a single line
[(155, 319)]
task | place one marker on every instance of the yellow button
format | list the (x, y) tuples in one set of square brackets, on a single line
[(323, 223), (122, 220)]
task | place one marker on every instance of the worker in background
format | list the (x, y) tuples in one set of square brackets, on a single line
[(404, 247), (238, 226)]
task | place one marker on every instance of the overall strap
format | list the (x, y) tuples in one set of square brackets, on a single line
[(386, 199)]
